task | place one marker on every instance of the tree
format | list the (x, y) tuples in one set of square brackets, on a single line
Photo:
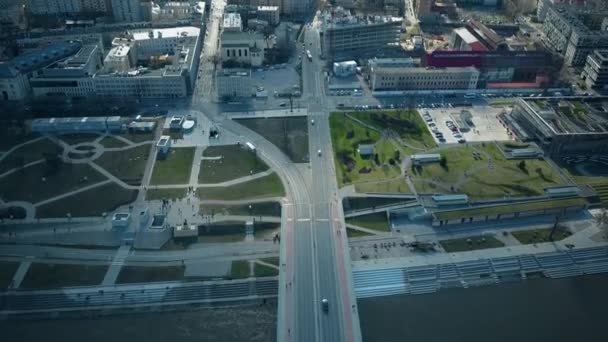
[(376, 159), (443, 162), (522, 165), (601, 219), (397, 155)]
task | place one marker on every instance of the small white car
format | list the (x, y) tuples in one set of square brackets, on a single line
[(325, 304), (312, 122), (319, 152)]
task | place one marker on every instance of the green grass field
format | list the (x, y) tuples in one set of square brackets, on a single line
[(257, 209), (93, 202), (128, 165), (77, 138), (264, 271), (50, 276), (491, 177), (471, 243), (29, 153), (239, 269), (267, 186), (358, 203), (175, 169), (142, 274), (289, 134), (111, 142), (527, 237), (170, 194), (41, 181), (408, 124), (237, 161), (375, 221), (395, 185), (271, 260), (346, 136)]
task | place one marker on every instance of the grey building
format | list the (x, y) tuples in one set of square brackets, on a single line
[(575, 32), (564, 128), (61, 7), (233, 83), (126, 10), (595, 72), (345, 36)]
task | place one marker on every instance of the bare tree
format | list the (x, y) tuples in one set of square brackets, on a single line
[(601, 219)]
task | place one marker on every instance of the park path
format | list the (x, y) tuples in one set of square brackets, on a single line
[(243, 201), (24, 266), (196, 166), (261, 262), (119, 260), (5, 154), (74, 192)]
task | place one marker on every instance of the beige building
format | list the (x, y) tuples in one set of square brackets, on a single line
[(243, 47), (418, 78)]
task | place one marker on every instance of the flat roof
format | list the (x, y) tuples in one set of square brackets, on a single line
[(171, 32), (509, 208), (466, 36), (574, 115)]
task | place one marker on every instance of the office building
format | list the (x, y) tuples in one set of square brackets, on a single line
[(233, 83), (71, 76), (418, 78), (126, 10), (595, 72), (563, 128), (63, 7), (575, 31), (345, 36), (243, 47), (270, 14), (521, 68), (298, 7), (15, 75)]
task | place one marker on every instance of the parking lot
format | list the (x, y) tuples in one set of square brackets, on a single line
[(470, 124)]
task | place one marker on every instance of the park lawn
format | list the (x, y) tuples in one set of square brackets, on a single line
[(531, 236), (376, 221), (477, 242), (169, 194), (78, 138), (407, 123), (50, 276), (484, 180), (149, 274), (267, 186), (237, 161), (346, 136), (13, 135), (93, 202), (352, 233), (28, 185), (271, 260), (240, 269), (289, 134), (110, 142), (127, 165), (395, 185), (260, 270), (7, 271), (175, 169), (29, 153), (257, 209), (359, 203)]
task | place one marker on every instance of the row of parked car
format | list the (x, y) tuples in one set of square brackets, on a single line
[(439, 135)]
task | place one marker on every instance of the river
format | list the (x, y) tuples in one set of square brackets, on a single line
[(539, 310)]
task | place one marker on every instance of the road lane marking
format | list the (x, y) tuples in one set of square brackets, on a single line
[(303, 219)]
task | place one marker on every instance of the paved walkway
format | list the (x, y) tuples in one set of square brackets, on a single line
[(20, 274), (116, 266), (366, 230)]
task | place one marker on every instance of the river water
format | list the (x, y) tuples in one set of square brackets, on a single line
[(539, 310)]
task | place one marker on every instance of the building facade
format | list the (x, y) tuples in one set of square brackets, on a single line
[(417, 78), (575, 32), (62, 7), (243, 47), (595, 72), (126, 10), (344, 36)]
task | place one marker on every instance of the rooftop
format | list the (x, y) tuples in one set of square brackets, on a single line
[(571, 116), (172, 32), (40, 58), (337, 17), (232, 20)]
